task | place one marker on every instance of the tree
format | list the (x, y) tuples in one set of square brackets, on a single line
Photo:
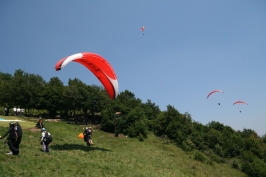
[(135, 123), (212, 138), (128, 99), (75, 94), (96, 100), (151, 112), (5, 88), (34, 91), (26, 90), (52, 96), (215, 125), (169, 123)]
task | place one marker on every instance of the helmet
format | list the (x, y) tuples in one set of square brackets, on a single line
[(43, 129), (11, 124)]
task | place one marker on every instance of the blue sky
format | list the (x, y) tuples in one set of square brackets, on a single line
[(188, 49)]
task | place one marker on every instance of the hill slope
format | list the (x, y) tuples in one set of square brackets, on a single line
[(110, 156)]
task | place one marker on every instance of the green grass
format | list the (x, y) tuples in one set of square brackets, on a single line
[(110, 156), (25, 122)]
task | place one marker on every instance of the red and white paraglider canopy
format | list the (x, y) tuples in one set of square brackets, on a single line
[(214, 91), (240, 102), (98, 66)]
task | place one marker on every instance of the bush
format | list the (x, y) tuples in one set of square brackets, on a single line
[(235, 164), (140, 137), (138, 130), (200, 157), (252, 165), (216, 158), (131, 132), (185, 147), (188, 145)]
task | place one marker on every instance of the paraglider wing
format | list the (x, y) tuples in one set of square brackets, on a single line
[(214, 92), (98, 66), (240, 102)]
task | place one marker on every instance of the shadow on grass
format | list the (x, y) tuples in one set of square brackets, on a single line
[(66, 147)]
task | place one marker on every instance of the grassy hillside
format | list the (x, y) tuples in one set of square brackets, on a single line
[(110, 156)]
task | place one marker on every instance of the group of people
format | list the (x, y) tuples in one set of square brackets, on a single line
[(18, 111), (15, 136), (45, 141)]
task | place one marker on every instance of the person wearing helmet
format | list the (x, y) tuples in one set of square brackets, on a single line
[(14, 138), (44, 145), (39, 124), (87, 136), (90, 132)]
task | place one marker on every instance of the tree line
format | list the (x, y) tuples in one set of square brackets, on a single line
[(128, 115)]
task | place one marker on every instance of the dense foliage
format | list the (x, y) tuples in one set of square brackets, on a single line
[(128, 115)]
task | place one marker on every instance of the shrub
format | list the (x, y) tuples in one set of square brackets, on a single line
[(216, 158), (185, 147), (140, 137), (200, 157), (235, 164), (188, 145), (252, 165)]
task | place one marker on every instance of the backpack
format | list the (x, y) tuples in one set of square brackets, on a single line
[(47, 138)]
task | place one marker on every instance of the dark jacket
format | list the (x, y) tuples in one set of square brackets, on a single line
[(87, 135), (15, 133)]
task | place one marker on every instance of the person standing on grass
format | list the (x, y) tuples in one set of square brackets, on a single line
[(14, 111), (6, 111), (43, 141), (18, 111), (87, 136), (14, 138), (39, 124)]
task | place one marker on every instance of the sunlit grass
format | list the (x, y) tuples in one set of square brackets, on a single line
[(110, 156), (25, 122)]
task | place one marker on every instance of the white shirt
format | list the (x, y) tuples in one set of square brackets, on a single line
[(43, 135)]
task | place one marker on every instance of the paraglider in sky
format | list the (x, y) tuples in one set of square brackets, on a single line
[(98, 66), (142, 29), (240, 102), (214, 91)]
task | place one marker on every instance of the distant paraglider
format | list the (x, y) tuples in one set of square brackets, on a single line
[(240, 102), (214, 91), (98, 66), (142, 30)]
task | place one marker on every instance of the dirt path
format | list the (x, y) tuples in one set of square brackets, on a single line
[(33, 129)]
